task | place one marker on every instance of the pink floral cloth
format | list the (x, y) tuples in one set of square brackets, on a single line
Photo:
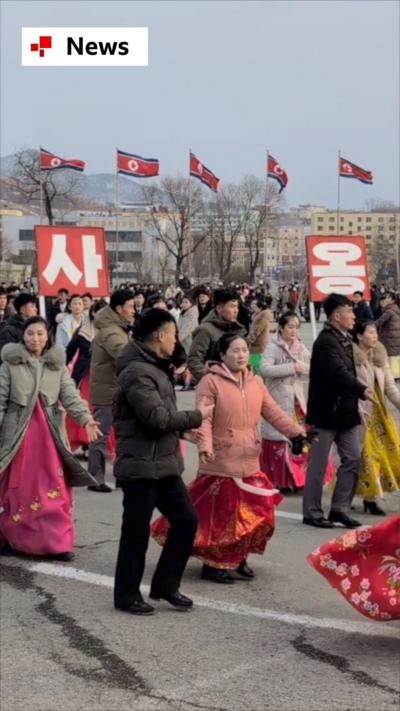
[(364, 566), (35, 500)]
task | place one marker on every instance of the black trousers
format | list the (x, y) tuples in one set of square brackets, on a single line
[(141, 497)]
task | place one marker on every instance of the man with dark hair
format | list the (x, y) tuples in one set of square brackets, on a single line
[(149, 465), (60, 306), (332, 408), (25, 306), (222, 319), (362, 310), (113, 325)]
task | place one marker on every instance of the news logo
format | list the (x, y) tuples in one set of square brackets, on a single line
[(84, 47)]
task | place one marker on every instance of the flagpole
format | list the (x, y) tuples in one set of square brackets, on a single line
[(338, 197), (266, 208), (116, 226), (41, 187), (189, 223)]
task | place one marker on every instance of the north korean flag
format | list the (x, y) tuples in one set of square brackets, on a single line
[(351, 170), (276, 171), (198, 170), (49, 161), (136, 166)]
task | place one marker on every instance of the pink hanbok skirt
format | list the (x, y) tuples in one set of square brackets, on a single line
[(35, 500)]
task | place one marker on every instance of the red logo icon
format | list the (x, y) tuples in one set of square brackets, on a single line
[(44, 43)]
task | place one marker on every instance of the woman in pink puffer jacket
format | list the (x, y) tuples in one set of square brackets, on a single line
[(233, 499)]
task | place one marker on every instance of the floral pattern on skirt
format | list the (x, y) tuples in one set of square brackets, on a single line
[(35, 500), (232, 522), (364, 566)]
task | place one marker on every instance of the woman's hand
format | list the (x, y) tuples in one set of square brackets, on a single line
[(193, 436), (206, 457), (92, 430)]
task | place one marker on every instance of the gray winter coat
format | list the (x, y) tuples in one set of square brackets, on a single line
[(24, 380), (281, 379), (188, 321)]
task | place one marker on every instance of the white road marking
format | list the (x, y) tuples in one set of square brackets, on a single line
[(369, 629)]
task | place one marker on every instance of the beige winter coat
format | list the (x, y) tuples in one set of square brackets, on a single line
[(373, 369)]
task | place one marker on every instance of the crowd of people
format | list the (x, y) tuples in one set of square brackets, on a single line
[(103, 374)]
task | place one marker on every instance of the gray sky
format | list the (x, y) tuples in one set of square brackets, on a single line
[(229, 80)]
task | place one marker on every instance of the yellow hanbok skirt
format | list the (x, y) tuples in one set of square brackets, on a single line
[(380, 459)]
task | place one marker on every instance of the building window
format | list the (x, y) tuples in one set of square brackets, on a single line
[(320, 219), (368, 219), (26, 235), (381, 219), (350, 224), (331, 219)]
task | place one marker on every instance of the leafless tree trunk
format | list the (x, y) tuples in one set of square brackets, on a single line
[(173, 214), (259, 204), (56, 187)]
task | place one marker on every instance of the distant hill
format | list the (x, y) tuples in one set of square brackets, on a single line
[(99, 187)]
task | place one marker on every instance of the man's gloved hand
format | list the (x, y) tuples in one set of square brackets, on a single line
[(299, 442)]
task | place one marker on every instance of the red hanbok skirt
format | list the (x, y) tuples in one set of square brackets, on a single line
[(76, 433), (364, 566), (35, 499), (288, 471), (233, 520)]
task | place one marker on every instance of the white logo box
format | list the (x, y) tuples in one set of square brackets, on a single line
[(134, 39)]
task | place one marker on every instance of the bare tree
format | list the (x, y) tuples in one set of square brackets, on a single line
[(174, 210), (225, 224), (57, 189), (259, 205)]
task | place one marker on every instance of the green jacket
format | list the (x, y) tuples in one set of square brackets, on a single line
[(111, 337), (205, 340), (24, 380)]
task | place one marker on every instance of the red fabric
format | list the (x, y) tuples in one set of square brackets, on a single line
[(49, 161), (285, 470), (275, 170), (364, 566), (232, 523), (351, 170), (131, 164), (198, 170), (35, 499)]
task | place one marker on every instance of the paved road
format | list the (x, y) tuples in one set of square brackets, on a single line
[(285, 641)]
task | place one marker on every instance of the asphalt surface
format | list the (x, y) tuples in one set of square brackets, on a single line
[(285, 641)]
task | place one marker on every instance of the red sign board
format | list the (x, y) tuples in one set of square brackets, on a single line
[(73, 258), (337, 264)]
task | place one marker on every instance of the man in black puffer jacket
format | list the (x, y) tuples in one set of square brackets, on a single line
[(149, 465), (332, 408)]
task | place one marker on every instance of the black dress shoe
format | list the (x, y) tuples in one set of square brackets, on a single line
[(344, 519), (216, 575), (61, 556), (245, 571), (101, 488), (372, 508), (320, 522), (181, 602), (138, 607)]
